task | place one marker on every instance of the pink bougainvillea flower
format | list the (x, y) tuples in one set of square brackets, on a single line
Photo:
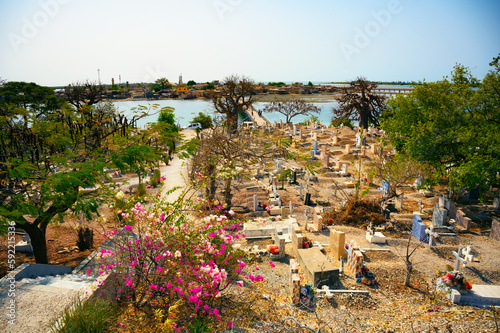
[(128, 228), (272, 264), (239, 283), (230, 324)]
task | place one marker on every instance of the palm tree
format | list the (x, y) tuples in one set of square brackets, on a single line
[(359, 101)]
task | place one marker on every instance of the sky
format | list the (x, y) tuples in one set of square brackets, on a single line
[(58, 42)]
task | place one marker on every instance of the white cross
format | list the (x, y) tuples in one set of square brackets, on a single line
[(467, 256), (420, 205), (431, 234), (370, 228)]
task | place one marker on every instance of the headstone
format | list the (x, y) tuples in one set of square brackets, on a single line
[(324, 149), (495, 230), (24, 245), (297, 239), (307, 199), (294, 282), (294, 177), (467, 256), (418, 228), (256, 203), (335, 139), (420, 206), (326, 159), (496, 202), (373, 149), (280, 241), (318, 221), (347, 149), (432, 234), (344, 169), (291, 211), (337, 243), (354, 260), (439, 216), (294, 130), (452, 210), (462, 220)]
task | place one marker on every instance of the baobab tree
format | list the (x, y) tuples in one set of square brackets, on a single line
[(234, 96), (359, 101), (291, 108)]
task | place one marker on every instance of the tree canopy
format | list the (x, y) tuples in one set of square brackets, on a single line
[(359, 101), (451, 125), (235, 94), (204, 119), (291, 108), (50, 151)]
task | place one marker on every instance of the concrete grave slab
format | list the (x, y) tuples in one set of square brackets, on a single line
[(318, 270), (495, 230)]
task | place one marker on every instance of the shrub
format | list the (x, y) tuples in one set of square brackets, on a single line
[(154, 179), (141, 190), (345, 122), (88, 316)]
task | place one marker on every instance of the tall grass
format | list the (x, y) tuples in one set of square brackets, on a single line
[(88, 317)]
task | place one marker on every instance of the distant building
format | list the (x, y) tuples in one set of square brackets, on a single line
[(180, 80)]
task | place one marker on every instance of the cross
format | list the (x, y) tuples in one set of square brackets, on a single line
[(370, 228), (467, 256), (402, 197), (328, 293), (322, 130), (290, 207), (431, 234), (420, 206)]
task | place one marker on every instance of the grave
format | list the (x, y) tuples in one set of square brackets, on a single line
[(294, 282), (318, 270), (439, 216), (280, 240), (24, 245), (418, 228), (432, 234), (337, 244), (297, 239), (462, 221), (495, 230), (374, 236), (317, 221), (496, 203), (354, 260), (467, 256)]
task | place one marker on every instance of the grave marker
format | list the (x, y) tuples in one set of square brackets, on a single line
[(337, 243), (458, 255), (347, 148), (431, 234), (418, 228), (439, 216), (495, 230), (463, 221)]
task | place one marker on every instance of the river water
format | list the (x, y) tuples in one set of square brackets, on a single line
[(186, 110)]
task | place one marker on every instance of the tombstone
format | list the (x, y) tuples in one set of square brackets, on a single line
[(318, 221), (374, 237), (420, 206), (432, 234), (291, 210), (452, 210), (247, 202), (463, 221), (297, 239), (307, 199), (294, 177), (358, 140), (467, 256), (273, 182), (337, 244), (496, 203), (439, 216), (418, 228), (402, 197), (324, 149), (294, 130), (256, 207), (326, 159), (335, 139), (347, 149), (315, 136), (373, 149), (354, 260), (315, 147), (344, 169), (280, 241), (24, 245), (294, 282), (495, 230)]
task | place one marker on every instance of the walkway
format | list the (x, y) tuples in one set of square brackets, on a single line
[(253, 114)]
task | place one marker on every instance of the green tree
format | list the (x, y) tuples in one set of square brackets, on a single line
[(163, 82), (155, 87), (191, 83), (359, 101), (204, 119), (291, 108), (235, 95), (310, 84), (451, 126), (48, 155), (208, 86)]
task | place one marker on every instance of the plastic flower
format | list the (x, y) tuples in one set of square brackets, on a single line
[(119, 195), (128, 228), (272, 264)]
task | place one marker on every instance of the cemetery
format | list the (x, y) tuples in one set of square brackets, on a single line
[(319, 244)]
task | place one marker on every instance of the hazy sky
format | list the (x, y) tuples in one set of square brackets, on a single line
[(56, 42)]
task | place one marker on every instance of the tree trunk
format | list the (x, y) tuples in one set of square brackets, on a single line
[(409, 268), (38, 242), (227, 192), (363, 118), (232, 122)]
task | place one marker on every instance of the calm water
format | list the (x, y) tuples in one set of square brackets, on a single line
[(186, 110)]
